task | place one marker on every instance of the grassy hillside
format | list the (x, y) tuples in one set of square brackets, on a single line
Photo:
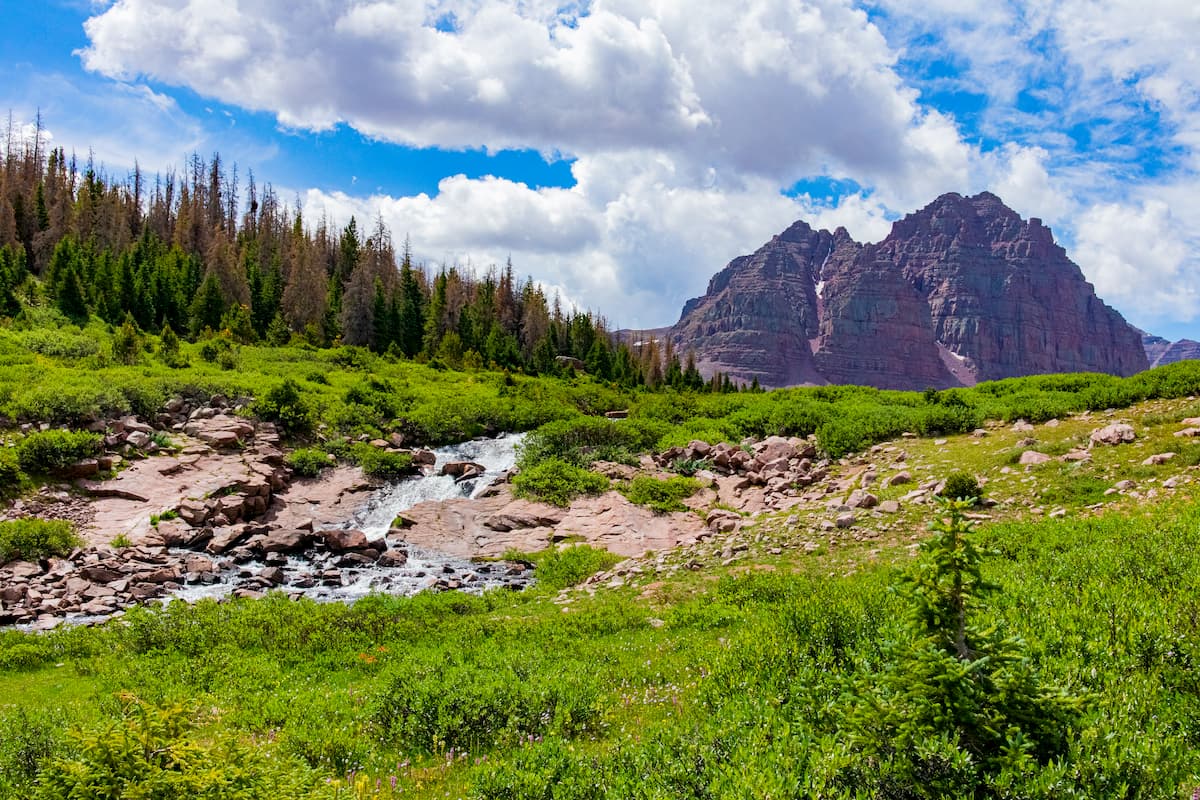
[(784, 661)]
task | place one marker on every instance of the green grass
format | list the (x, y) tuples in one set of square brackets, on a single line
[(728, 685)]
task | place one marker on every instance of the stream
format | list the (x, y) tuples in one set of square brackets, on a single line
[(348, 577)]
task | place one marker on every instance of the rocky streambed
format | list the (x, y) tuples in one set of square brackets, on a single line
[(222, 517)]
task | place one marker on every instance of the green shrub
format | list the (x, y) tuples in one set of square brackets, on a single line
[(67, 343), (284, 405), (962, 486), (584, 440), (307, 462), (12, 479), (559, 568), (484, 700), (159, 754), (379, 463), (127, 343), (28, 740), (556, 482), (31, 539), (662, 496), (50, 451)]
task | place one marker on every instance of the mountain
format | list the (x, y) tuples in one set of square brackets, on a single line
[(963, 290), (1159, 351)]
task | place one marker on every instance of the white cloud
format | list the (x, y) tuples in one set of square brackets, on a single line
[(686, 119), (1143, 258)]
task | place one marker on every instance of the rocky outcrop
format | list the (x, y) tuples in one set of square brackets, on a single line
[(1160, 351), (762, 311), (961, 291)]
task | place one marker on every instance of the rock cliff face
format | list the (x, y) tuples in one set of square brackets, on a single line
[(961, 291), (1159, 351)]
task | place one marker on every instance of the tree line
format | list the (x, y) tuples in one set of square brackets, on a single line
[(194, 254)]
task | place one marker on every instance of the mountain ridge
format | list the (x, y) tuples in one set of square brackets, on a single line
[(960, 291)]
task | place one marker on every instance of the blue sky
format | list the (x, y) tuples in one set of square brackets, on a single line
[(621, 153)]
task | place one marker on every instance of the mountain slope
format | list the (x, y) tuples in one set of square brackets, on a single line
[(961, 291)]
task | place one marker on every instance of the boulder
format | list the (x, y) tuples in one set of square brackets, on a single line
[(846, 520), (862, 499), (1158, 458), (1189, 433), (899, 479), (284, 541), (1114, 434), (463, 470), (1033, 457), (340, 540)]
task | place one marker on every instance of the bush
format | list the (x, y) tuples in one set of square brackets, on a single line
[(560, 568), (962, 486), (307, 462), (28, 739), (127, 343), (379, 463), (31, 539), (11, 476), (159, 753), (284, 406), (584, 440), (662, 496), (556, 482), (50, 451)]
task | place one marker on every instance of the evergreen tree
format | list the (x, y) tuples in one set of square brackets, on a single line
[(692, 380), (71, 299), (411, 323), (207, 307), (127, 343), (599, 359), (168, 348)]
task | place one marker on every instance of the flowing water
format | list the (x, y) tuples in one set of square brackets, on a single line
[(424, 569)]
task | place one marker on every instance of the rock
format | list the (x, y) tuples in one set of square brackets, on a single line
[(1158, 458), (463, 470), (861, 499), (198, 564), (617, 414), (1114, 434), (341, 540), (1076, 455), (225, 538), (138, 440), (285, 541), (393, 558), (194, 512), (1021, 426), (720, 520), (80, 469), (899, 479), (890, 507), (1124, 486), (1188, 433), (99, 574), (1033, 457), (846, 520), (1190, 421), (272, 575)]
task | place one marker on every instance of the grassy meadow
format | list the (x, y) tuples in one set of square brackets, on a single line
[(784, 672)]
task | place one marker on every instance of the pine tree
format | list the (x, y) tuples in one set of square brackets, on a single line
[(208, 306), (411, 324)]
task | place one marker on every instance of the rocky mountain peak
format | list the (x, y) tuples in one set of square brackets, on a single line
[(960, 291)]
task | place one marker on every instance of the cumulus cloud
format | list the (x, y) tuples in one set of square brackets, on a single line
[(1141, 257), (686, 119)]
